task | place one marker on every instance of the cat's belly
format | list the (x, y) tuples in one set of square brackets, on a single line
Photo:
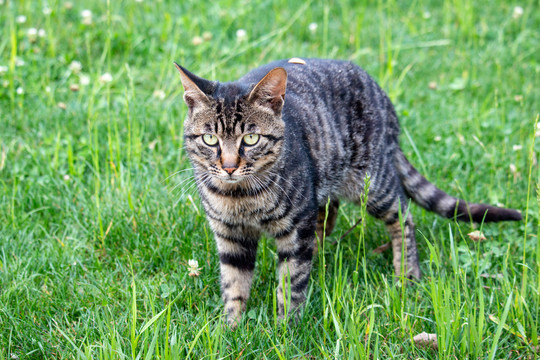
[(353, 185)]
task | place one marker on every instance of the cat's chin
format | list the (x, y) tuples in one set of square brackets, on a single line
[(231, 181)]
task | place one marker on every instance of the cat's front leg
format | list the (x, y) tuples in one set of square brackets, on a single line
[(295, 252), (237, 247)]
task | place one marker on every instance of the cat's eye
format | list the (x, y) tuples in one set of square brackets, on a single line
[(251, 139), (210, 139)]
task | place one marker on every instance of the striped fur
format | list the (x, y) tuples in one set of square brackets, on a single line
[(334, 127)]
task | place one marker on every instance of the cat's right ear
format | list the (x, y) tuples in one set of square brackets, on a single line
[(196, 89)]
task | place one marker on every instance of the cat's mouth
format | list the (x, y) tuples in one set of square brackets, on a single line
[(231, 180)]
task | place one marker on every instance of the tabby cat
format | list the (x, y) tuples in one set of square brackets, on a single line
[(269, 152)]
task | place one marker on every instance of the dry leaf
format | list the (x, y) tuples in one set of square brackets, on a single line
[(382, 248), (476, 236), (296, 60), (426, 340)]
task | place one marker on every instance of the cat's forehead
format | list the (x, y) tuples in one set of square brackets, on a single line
[(230, 94), (227, 112)]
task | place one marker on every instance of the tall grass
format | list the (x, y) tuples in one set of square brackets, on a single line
[(99, 214)]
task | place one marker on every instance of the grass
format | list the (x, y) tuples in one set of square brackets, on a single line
[(95, 233)]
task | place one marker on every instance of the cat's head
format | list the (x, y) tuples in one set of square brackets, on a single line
[(234, 130)]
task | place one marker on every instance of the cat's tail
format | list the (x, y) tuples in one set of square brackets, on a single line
[(434, 199)]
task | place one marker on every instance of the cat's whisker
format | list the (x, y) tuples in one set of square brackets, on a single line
[(289, 182), (257, 187), (176, 173), (187, 183), (279, 186), (181, 182), (190, 186), (267, 188)]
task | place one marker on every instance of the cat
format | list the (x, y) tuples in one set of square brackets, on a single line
[(271, 150)]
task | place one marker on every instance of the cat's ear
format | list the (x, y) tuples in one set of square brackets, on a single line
[(196, 89), (270, 91)]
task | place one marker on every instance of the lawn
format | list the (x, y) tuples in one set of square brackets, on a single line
[(98, 222)]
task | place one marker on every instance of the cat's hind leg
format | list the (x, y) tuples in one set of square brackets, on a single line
[(386, 205)]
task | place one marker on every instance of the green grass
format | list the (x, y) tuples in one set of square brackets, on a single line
[(95, 237)]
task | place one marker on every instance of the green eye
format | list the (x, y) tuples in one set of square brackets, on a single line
[(210, 139), (251, 139)]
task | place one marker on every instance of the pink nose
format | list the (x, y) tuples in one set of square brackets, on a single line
[(230, 170)]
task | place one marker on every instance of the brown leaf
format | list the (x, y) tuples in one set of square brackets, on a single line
[(476, 236), (426, 340), (382, 248)]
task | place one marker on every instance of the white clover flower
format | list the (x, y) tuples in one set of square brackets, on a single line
[(3, 69), (74, 87), (47, 89), (62, 106), (21, 19), (139, 1), (84, 79), (19, 62), (47, 11), (513, 168), (518, 12), (207, 36), (5, 83), (32, 34), (313, 27), (517, 147), (75, 67), (197, 40), (438, 138), (159, 94), (105, 78), (426, 15), (66, 177), (193, 267), (68, 5), (20, 91), (241, 34), (41, 33), (86, 17)]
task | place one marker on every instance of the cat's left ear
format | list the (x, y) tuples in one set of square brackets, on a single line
[(196, 89), (270, 91)]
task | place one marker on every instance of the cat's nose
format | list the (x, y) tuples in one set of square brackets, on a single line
[(229, 161), (230, 170)]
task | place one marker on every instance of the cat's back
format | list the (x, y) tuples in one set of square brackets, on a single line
[(334, 91), (314, 77)]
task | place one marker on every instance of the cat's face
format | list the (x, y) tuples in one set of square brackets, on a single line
[(232, 134)]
